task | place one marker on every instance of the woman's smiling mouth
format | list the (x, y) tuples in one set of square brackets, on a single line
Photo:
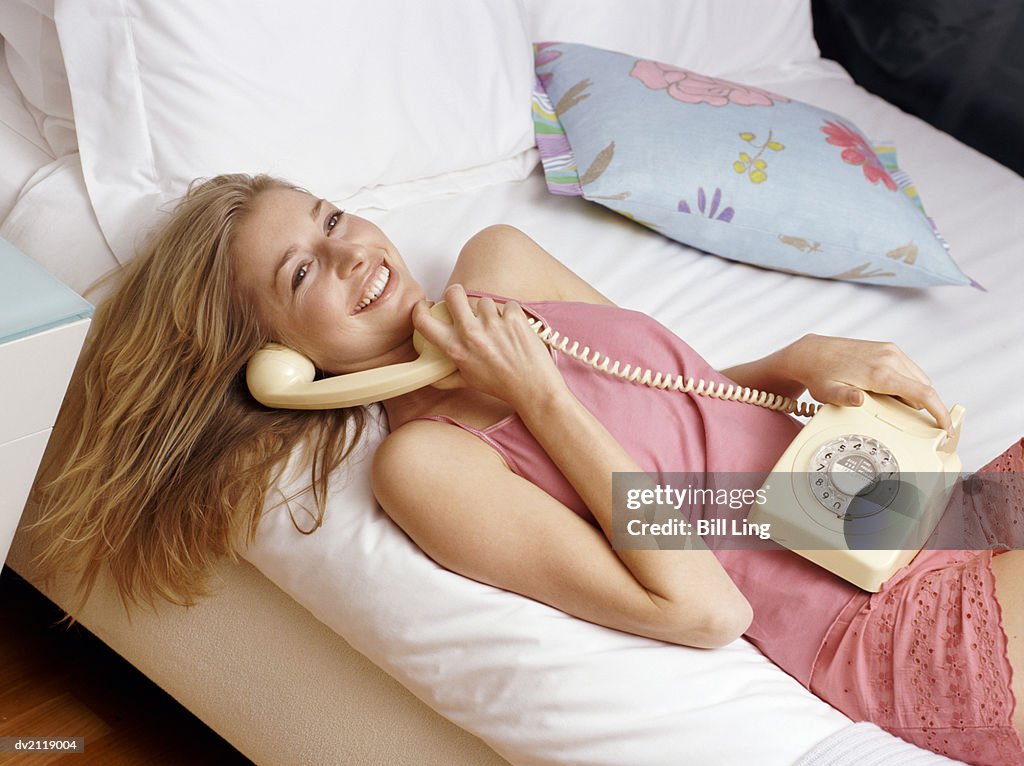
[(375, 288)]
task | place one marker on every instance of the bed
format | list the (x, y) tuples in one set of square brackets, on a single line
[(349, 645)]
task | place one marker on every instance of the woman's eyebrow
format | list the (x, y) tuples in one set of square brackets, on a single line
[(281, 264), (314, 214)]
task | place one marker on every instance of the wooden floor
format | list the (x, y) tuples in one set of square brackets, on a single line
[(56, 681)]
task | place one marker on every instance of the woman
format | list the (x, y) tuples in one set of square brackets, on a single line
[(172, 458)]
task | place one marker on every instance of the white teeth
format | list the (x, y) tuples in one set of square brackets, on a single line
[(376, 287)]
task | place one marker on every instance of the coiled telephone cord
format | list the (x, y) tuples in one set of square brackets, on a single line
[(668, 381)]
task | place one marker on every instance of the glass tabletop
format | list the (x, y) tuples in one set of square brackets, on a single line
[(31, 299)]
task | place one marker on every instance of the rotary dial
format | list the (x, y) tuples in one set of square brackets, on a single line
[(854, 476)]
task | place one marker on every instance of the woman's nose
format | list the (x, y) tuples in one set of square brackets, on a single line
[(348, 256)]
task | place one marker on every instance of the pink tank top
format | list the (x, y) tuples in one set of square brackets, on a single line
[(794, 601)]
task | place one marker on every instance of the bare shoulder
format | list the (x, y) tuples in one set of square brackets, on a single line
[(435, 480), (422, 452), (503, 260)]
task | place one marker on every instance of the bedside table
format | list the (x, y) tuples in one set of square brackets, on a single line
[(42, 326)]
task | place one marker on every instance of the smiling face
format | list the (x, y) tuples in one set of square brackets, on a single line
[(326, 283)]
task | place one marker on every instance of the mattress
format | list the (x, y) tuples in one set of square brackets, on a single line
[(564, 690)]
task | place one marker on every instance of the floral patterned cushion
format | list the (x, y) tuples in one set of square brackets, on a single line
[(732, 169)]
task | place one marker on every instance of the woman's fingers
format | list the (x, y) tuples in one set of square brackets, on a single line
[(513, 311), (436, 331), (839, 367), (923, 397), (910, 390), (457, 301), (898, 376), (916, 372), (841, 394), (487, 311)]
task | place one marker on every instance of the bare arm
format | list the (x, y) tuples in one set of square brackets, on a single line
[(472, 515), (681, 596), (503, 260), (837, 370)]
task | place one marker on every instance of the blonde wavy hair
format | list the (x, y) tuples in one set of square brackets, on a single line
[(161, 461)]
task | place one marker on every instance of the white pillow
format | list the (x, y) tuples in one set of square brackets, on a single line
[(34, 57), (541, 687), (335, 95), (716, 37)]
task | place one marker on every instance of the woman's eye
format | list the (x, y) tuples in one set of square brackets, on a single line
[(300, 274), (332, 221)]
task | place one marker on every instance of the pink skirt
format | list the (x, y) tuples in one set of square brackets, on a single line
[(926, 658)]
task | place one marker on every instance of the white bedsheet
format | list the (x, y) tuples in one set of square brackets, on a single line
[(542, 687)]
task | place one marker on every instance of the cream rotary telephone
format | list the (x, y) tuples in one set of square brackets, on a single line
[(860, 489), (858, 492)]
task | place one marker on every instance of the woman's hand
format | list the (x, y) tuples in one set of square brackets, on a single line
[(839, 370), (493, 347)]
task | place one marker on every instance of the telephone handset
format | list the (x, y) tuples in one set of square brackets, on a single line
[(281, 377), (858, 491)]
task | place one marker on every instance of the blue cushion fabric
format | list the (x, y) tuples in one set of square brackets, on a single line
[(731, 169)]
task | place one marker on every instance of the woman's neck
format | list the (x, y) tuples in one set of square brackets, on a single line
[(415, 404), (448, 397)]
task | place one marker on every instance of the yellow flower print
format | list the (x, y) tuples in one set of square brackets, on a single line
[(754, 166)]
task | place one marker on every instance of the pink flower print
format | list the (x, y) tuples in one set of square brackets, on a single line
[(542, 56), (957, 693), (955, 666), (692, 88), (857, 151), (883, 650)]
